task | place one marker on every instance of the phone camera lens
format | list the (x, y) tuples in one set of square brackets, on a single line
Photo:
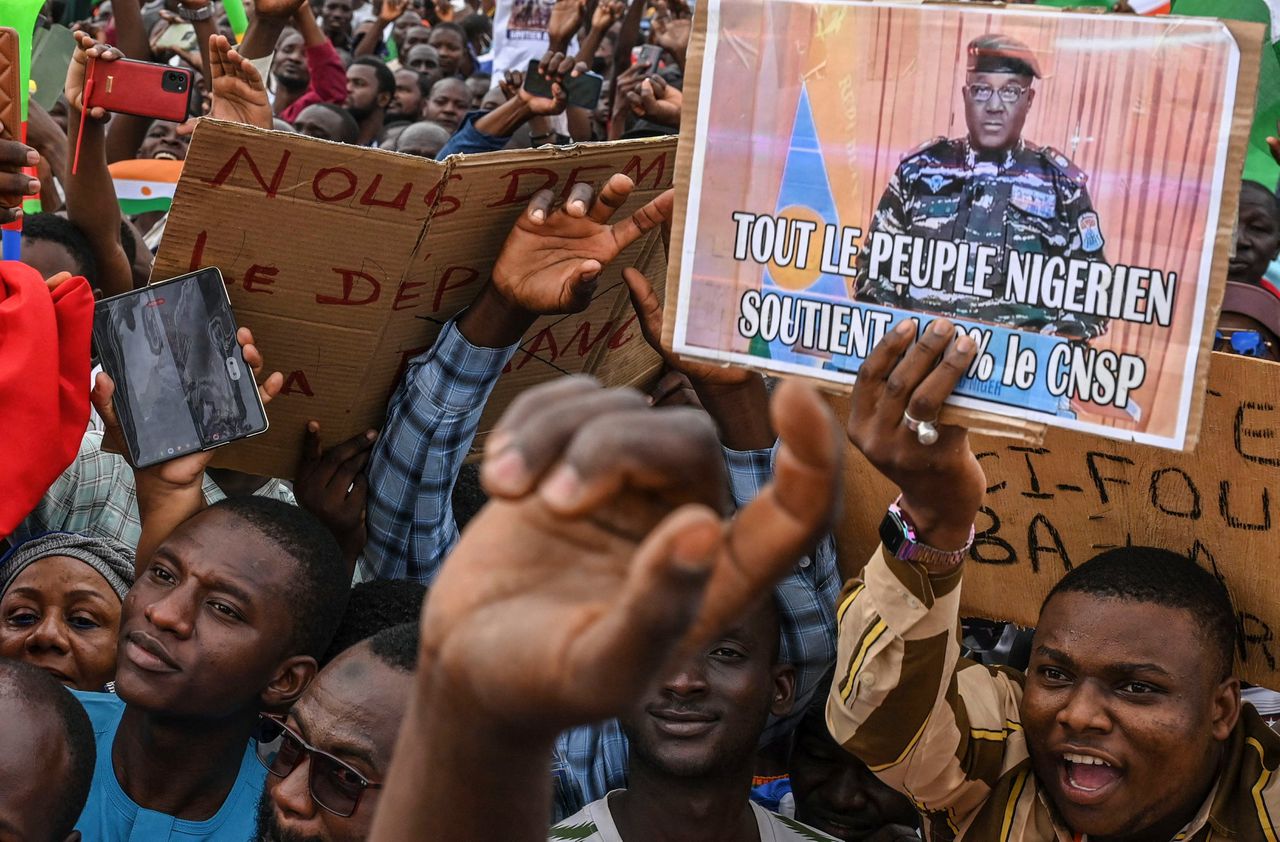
[(174, 82)]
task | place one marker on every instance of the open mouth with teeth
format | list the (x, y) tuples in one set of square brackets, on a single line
[(165, 156), (1087, 779)]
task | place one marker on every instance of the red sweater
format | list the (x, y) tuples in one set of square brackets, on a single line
[(44, 383), (328, 81)]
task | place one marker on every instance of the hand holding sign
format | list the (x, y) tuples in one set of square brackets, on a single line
[(942, 483), (550, 260)]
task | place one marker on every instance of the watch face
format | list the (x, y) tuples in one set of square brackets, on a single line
[(892, 533)]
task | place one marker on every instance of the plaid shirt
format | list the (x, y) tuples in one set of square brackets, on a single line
[(95, 496), (431, 422)]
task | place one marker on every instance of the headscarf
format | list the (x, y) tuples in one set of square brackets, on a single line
[(111, 560)]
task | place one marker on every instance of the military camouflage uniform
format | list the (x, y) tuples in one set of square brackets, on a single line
[(1035, 201)]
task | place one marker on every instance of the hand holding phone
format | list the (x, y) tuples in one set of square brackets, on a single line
[(141, 88), (581, 87), (181, 375)]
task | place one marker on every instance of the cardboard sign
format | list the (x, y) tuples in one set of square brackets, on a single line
[(346, 262), (1053, 507), (1062, 185)]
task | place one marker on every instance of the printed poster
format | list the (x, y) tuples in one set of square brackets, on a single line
[(1052, 182)]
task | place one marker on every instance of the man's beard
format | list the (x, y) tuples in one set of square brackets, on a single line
[(267, 830)]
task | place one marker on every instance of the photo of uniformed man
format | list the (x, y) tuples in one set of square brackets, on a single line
[(994, 188)]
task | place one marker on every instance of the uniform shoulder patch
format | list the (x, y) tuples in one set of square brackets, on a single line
[(1063, 164), (924, 147)]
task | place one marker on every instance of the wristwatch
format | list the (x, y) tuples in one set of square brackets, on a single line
[(898, 535), (192, 15)]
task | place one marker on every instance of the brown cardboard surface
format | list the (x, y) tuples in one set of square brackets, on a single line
[(1248, 37), (1055, 506), (346, 262)]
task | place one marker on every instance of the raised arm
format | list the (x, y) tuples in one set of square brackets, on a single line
[(91, 194), (926, 722), (548, 265)]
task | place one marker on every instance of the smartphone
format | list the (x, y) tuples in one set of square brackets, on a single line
[(180, 35), (182, 384), (141, 88), (650, 54), (583, 91)]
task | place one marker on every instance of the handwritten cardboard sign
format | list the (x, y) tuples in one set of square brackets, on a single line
[(346, 262), (997, 166), (1053, 507)]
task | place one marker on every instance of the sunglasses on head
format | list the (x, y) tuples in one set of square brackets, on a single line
[(334, 785)]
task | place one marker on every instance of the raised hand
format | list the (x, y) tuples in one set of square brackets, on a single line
[(555, 67), (655, 100), (942, 483), (333, 486), (239, 94), (566, 18), (277, 9), (671, 31), (87, 48), (391, 11), (607, 13), (605, 534), (552, 257)]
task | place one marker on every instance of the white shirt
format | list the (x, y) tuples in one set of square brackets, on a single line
[(594, 823)]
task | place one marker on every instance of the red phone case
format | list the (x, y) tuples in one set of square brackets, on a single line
[(125, 86)]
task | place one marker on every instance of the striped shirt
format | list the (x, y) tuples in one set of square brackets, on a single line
[(947, 732), (595, 824)]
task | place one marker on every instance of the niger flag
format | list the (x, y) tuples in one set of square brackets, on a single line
[(145, 184), (1151, 7)]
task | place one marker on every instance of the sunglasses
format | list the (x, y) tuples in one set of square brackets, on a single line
[(1245, 342), (334, 785)]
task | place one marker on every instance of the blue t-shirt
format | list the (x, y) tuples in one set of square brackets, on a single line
[(111, 816)]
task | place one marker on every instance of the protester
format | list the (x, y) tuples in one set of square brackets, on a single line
[(1257, 235), (209, 636), (426, 60), (336, 18), (1128, 723), (328, 758), (447, 104), (60, 597), (46, 757), (424, 140), (693, 740), (328, 122), (306, 69), (836, 793), (450, 42), (370, 87), (410, 92)]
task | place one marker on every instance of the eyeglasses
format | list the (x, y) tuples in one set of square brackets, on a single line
[(1009, 94), (1245, 342), (334, 785)]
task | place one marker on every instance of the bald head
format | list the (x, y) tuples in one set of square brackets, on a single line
[(47, 755), (422, 139)]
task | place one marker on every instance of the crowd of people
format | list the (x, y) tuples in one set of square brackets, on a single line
[(629, 623)]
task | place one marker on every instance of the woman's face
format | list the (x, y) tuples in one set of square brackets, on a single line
[(60, 615)]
